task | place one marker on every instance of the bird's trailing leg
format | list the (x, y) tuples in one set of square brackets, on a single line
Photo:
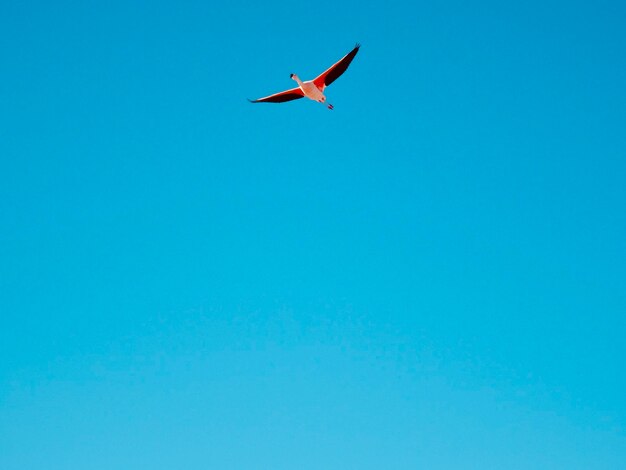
[(322, 100), (328, 105)]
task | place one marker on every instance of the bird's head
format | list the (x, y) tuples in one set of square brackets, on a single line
[(293, 76)]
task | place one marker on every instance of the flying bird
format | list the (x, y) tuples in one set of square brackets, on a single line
[(312, 89)]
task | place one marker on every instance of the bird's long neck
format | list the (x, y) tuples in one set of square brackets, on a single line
[(297, 79)]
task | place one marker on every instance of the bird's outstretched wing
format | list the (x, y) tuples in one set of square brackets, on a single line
[(288, 95), (335, 71)]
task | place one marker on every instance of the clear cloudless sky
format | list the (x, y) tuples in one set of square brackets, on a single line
[(433, 275)]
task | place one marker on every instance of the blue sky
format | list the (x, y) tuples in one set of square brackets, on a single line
[(433, 275)]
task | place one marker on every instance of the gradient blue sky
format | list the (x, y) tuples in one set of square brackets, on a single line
[(431, 276)]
